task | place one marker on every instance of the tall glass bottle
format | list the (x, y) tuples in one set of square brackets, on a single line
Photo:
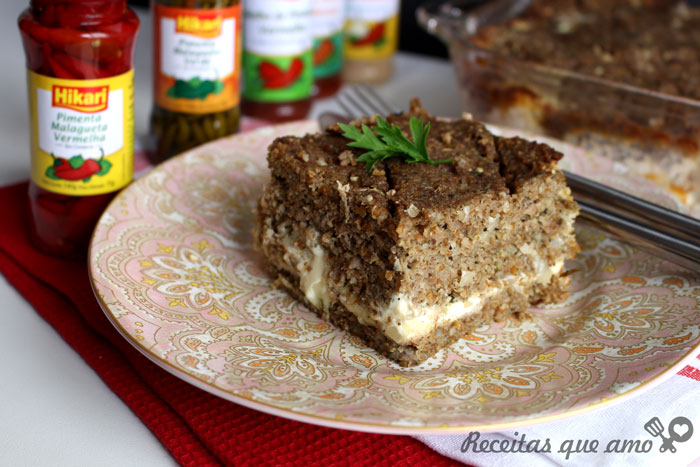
[(196, 53), (371, 37), (327, 26), (277, 59), (81, 94)]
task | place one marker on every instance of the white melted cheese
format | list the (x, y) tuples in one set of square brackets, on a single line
[(313, 283), (401, 320), (311, 266), (410, 321), (543, 271)]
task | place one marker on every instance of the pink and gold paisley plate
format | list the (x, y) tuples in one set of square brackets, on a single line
[(173, 267)]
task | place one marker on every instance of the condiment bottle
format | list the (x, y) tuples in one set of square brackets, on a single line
[(80, 82), (277, 62), (371, 37), (196, 52), (327, 26)]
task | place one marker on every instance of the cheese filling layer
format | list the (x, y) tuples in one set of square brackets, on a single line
[(402, 320)]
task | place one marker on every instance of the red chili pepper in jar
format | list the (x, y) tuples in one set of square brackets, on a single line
[(67, 42)]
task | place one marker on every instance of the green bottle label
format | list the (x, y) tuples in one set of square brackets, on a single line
[(277, 48), (277, 79), (328, 55)]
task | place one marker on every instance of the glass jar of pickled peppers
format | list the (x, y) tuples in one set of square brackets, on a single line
[(197, 47), (80, 83)]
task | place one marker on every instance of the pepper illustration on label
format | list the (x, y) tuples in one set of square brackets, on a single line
[(361, 35), (278, 79), (274, 78), (323, 52), (77, 168), (195, 88)]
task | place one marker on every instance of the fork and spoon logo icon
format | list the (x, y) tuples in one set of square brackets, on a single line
[(679, 430)]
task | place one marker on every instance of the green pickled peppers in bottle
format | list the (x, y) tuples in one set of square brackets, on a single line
[(197, 50)]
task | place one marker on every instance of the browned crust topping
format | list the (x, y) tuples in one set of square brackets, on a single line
[(481, 163)]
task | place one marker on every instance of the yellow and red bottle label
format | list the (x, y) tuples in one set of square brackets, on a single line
[(371, 29), (197, 57), (82, 133)]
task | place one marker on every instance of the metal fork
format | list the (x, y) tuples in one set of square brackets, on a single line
[(357, 101), (648, 226)]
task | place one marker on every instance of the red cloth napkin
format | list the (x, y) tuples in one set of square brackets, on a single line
[(198, 429)]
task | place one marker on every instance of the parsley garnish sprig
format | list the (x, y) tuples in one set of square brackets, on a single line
[(389, 141)]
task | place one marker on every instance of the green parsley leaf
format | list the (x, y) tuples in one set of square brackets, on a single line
[(385, 141)]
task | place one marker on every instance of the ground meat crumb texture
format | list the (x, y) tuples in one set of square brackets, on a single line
[(411, 257)]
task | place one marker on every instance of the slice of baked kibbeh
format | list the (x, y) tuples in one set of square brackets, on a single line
[(411, 256)]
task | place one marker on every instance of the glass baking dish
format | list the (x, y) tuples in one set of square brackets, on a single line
[(654, 134)]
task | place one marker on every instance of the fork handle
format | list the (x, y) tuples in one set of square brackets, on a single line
[(647, 238), (644, 212)]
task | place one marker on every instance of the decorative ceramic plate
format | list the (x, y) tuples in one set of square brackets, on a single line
[(173, 267)]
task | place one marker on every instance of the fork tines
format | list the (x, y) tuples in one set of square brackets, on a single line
[(362, 100)]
